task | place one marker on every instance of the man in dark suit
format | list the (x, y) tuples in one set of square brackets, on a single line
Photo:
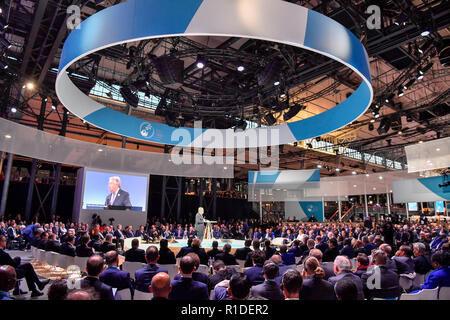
[(342, 269), (226, 257), (269, 251), (185, 250), (368, 245), (67, 248), (403, 260), (292, 283), (332, 251), (8, 280), (117, 197), (140, 232), (160, 286), (296, 249), (83, 250), (221, 272), (166, 256), (195, 248), (282, 268), (107, 245), (94, 267), (114, 277), (144, 276), (179, 233), (23, 270), (42, 242), (380, 282), (347, 250), (255, 273), (288, 257), (390, 263), (241, 253), (269, 289), (196, 276), (214, 251), (321, 244), (186, 288), (129, 232), (52, 244), (422, 262), (135, 254)]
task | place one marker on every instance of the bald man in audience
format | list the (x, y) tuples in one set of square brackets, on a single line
[(160, 286), (79, 295), (7, 281)]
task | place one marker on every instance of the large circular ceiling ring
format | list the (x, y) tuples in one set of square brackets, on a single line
[(270, 20)]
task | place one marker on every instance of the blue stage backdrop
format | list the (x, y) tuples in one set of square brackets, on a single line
[(96, 189)]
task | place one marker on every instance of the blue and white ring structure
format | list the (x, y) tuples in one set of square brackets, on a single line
[(271, 20)]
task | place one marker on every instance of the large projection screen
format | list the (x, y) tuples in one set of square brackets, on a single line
[(121, 196)]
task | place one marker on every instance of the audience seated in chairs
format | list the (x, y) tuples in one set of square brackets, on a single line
[(67, 248), (288, 257), (107, 245), (241, 253), (440, 277), (135, 254), (422, 262), (256, 247), (403, 260), (346, 290), (83, 250), (362, 260), (255, 274), (327, 268), (214, 251), (114, 277), (221, 273)]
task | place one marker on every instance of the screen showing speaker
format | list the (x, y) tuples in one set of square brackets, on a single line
[(104, 190)]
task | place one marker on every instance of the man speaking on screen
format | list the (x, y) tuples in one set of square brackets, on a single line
[(117, 198)]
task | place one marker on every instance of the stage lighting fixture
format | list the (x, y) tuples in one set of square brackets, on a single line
[(426, 45), (3, 23), (270, 73), (30, 85), (270, 119), (200, 63), (354, 172), (337, 169), (389, 98), (371, 127), (400, 92), (170, 70), (129, 97), (53, 107), (240, 68), (409, 84), (276, 83), (401, 19), (293, 111), (385, 125), (319, 166), (241, 126), (13, 110), (3, 65), (425, 33)]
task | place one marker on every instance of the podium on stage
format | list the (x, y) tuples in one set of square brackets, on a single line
[(208, 234)]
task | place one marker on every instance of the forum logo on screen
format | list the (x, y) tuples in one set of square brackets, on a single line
[(147, 130)]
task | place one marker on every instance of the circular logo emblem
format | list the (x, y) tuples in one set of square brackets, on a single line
[(147, 130)]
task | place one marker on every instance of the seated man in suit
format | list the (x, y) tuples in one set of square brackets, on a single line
[(292, 283), (117, 197), (94, 267), (95, 243), (347, 250), (255, 274), (166, 256), (129, 232), (221, 273), (195, 247), (119, 235), (114, 277), (196, 276), (43, 240), (321, 244), (342, 269), (314, 285), (144, 276), (380, 282), (226, 257), (256, 247), (107, 245), (185, 250), (362, 260), (332, 251), (390, 263), (269, 289), (276, 258), (140, 232), (269, 250), (186, 288), (7, 281), (288, 257), (179, 233), (422, 263), (214, 251), (67, 248), (241, 253), (52, 244), (83, 250), (403, 260), (160, 286), (296, 249), (23, 270), (135, 254)]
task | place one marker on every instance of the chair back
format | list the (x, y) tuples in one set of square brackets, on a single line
[(236, 268), (444, 293), (405, 282), (329, 265), (124, 294), (241, 263), (172, 268), (419, 279), (204, 269), (132, 267), (425, 294), (139, 295), (65, 261), (41, 258)]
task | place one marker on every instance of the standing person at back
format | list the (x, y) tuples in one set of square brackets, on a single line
[(186, 288), (144, 276)]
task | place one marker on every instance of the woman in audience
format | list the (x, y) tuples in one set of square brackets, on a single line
[(314, 286)]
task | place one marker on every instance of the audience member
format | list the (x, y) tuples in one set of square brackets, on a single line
[(269, 289), (292, 283), (135, 254), (94, 268), (314, 285), (186, 288), (160, 286), (143, 277)]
